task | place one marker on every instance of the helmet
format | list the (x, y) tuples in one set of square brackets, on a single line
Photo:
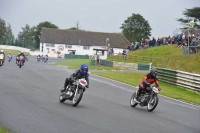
[(84, 69), (22, 52), (154, 72), (1, 50)]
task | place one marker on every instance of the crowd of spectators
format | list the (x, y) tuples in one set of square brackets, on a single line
[(180, 39)]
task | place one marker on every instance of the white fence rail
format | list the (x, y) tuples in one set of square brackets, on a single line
[(179, 78)]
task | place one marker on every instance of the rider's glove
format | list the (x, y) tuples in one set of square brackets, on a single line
[(159, 88)]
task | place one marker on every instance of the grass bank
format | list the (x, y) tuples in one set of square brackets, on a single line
[(167, 89), (76, 63), (3, 130), (167, 56), (13, 52)]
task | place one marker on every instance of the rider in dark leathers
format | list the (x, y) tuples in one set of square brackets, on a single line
[(78, 74), (148, 79), (2, 52)]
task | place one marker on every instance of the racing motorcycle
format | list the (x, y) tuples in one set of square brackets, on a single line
[(74, 92), (21, 61), (1, 59), (9, 58), (45, 59), (38, 58), (148, 97)]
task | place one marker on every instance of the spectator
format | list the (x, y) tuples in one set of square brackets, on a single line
[(124, 53), (153, 42), (198, 36), (158, 42), (193, 45)]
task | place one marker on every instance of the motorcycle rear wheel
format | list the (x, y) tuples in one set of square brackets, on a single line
[(75, 99), (132, 101), (152, 104)]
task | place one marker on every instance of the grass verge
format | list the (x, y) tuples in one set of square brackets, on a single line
[(167, 89), (76, 63), (3, 130), (13, 52)]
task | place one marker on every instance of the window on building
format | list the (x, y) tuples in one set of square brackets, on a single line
[(86, 47), (50, 45), (68, 46)]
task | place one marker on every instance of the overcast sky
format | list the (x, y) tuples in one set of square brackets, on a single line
[(95, 15)]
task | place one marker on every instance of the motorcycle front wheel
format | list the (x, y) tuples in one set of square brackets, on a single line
[(132, 101), (152, 103), (61, 98), (77, 97)]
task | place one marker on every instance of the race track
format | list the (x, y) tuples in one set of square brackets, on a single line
[(29, 103)]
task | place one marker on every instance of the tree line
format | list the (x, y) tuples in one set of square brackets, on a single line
[(135, 28)]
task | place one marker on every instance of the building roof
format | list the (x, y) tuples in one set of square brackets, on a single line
[(76, 37)]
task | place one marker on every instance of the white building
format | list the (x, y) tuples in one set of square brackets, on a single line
[(57, 41)]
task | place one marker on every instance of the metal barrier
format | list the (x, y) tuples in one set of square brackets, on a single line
[(179, 78)]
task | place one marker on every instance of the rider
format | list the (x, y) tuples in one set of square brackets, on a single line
[(10, 55), (148, 79), (17, 57), (22, 54), (2, 52), (46, 56), (78, 74)]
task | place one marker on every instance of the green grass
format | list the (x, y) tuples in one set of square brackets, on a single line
[(167, 89), (76, 63), (167, 56), (3, 130), (13, 52)]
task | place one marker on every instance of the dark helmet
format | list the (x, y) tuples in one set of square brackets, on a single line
[(84, 69), (154, 72)]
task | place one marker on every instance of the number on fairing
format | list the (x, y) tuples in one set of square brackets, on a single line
[(83, 82), (155, 89)]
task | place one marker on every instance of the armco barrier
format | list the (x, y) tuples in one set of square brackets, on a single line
[(106, 63), (179, 78), (123, 65), (76, 56)]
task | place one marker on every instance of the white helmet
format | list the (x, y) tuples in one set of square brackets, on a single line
[(1, 50), (22, 51)]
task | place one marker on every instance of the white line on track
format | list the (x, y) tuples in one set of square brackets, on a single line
[(181, 104)]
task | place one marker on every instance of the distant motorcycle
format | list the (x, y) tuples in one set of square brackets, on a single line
[(38, 58), (21, 61), (148, 98), (74, 92), (9, 58), (1, 59), (45, 59)]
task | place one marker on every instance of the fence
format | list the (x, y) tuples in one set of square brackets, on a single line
[(123, 65), (76, 56), (180, 78)]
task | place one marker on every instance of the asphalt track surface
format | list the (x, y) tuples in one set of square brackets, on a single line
[(29, 103)]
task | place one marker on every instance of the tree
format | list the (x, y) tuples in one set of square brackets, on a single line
[(6, 35), (2, 31), (135, 28), (26, 37), (9, 37), (38, 29), (73, 28), (193, 13)]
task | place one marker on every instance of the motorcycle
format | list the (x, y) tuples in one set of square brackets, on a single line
[(21, 61), (38, 58), (74, 92), (45, 59), (147, 98), (1, 59), (9, 58)]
